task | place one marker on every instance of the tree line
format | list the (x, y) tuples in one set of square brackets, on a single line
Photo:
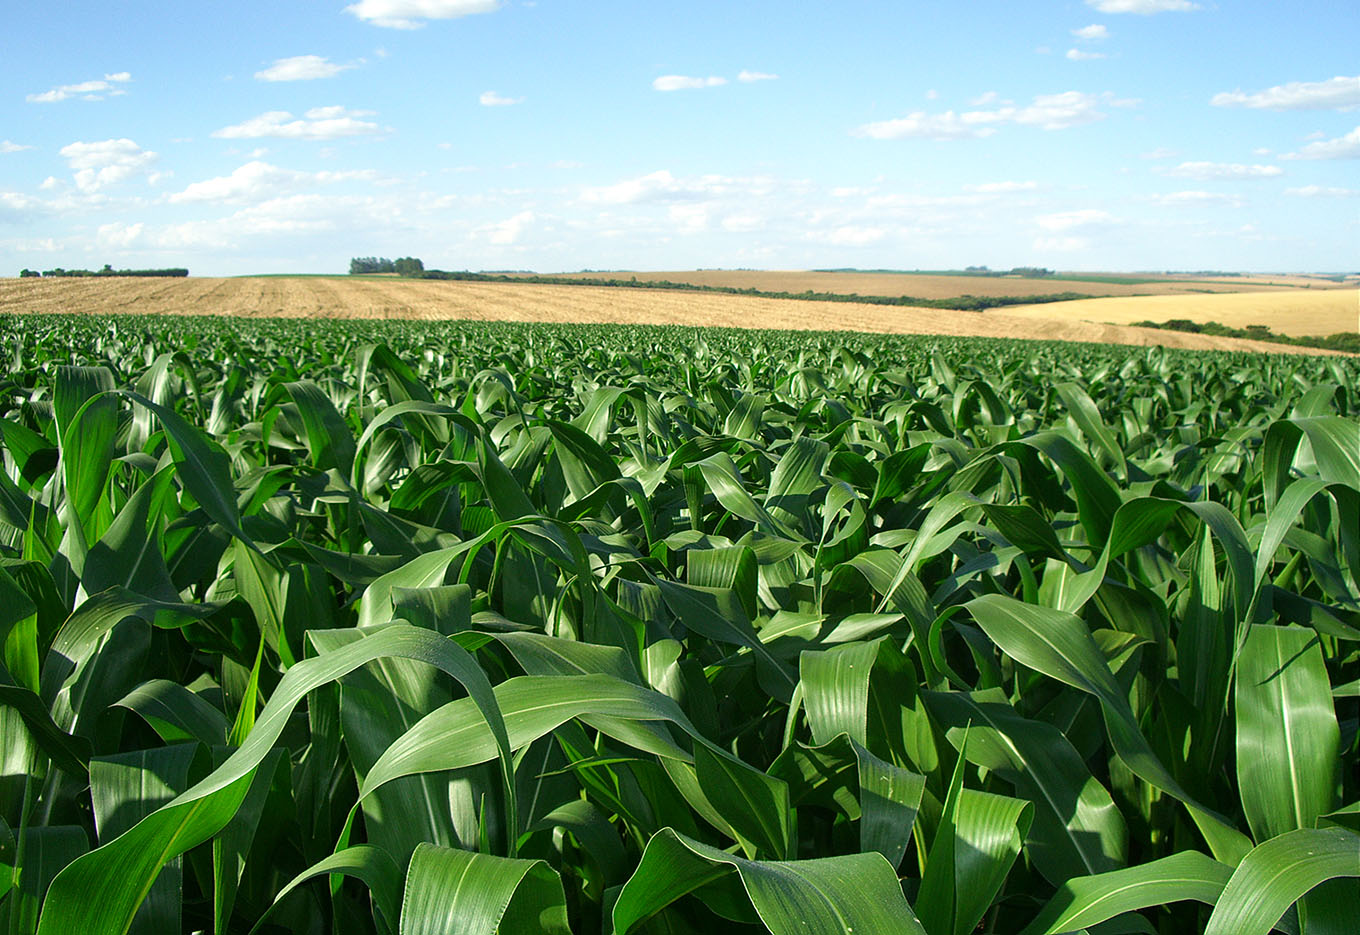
[(108, 270), (405, 266)]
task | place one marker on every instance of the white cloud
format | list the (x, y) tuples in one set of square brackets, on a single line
[(660, 186), (1047, 111), (1180, 199), (319, 123), (411, 14), (16, 207), (7, 147), (511, 229), (1339, 93), (1093, 32), (301, 68), (685, 82), (1077, 55), (1070, 220), (1343, 147), (1143, 7), (1319, 191), (492, 99), (1161, 152), (108, 162), (854, 236), (1222, 170), (119, 236), (749, 76), (257, 181), (991, 188), (688, 219), (90, 90)]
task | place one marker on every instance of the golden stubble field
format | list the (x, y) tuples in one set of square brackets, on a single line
[(932, 286), (338, 297)]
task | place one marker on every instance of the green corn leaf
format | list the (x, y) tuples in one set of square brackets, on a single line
[(825, 896), (1287, 734), (1082, 902), (1278, 873), (480, 894)]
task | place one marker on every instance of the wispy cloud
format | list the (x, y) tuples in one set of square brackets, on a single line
[(94, 90), (319, 123), (685, 82), (412, 14), (749, 76), (1077, 55), (991, 188), (1093, 32), (1343, 147), (301, 68), (1319, 191), (1339, 93), (1143, 7), (7, 147), (258, 181), (1222, 170), (1046, 111), (107, 162), (1195, 198), (492, 99)]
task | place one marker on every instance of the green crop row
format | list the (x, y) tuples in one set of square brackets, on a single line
[(417, 627)]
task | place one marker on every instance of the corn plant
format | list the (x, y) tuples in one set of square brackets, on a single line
[(420, 628)]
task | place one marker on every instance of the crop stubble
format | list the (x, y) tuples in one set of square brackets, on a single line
[(324, 297)]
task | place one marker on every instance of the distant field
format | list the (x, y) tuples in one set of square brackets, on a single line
[(941, 286), (339, 297), (1296, 312)]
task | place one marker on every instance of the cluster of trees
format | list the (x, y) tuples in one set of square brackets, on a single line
[(406, 266), (106, 271)]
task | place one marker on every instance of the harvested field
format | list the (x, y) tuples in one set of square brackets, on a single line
[(932, 286), (1296, 313), (325, 298)]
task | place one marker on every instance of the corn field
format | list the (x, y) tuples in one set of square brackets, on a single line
[(420, 628)]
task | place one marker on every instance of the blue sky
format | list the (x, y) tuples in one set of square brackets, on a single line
[(290, 136)]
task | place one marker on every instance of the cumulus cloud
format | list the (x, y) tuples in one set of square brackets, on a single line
[(94, 90), (1143, 7), (7, 147), (319, 123), (98, 165), (1046, 111), (1077, 55), (412, 14), (1092, 32), (257, 181), (16, 207), (511, 229), (1343, 147), (749, 76), (1339, 93), (661, 186), (492, 99), (301, 68), (1319, 191), (1222, 170), (685, 82)]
